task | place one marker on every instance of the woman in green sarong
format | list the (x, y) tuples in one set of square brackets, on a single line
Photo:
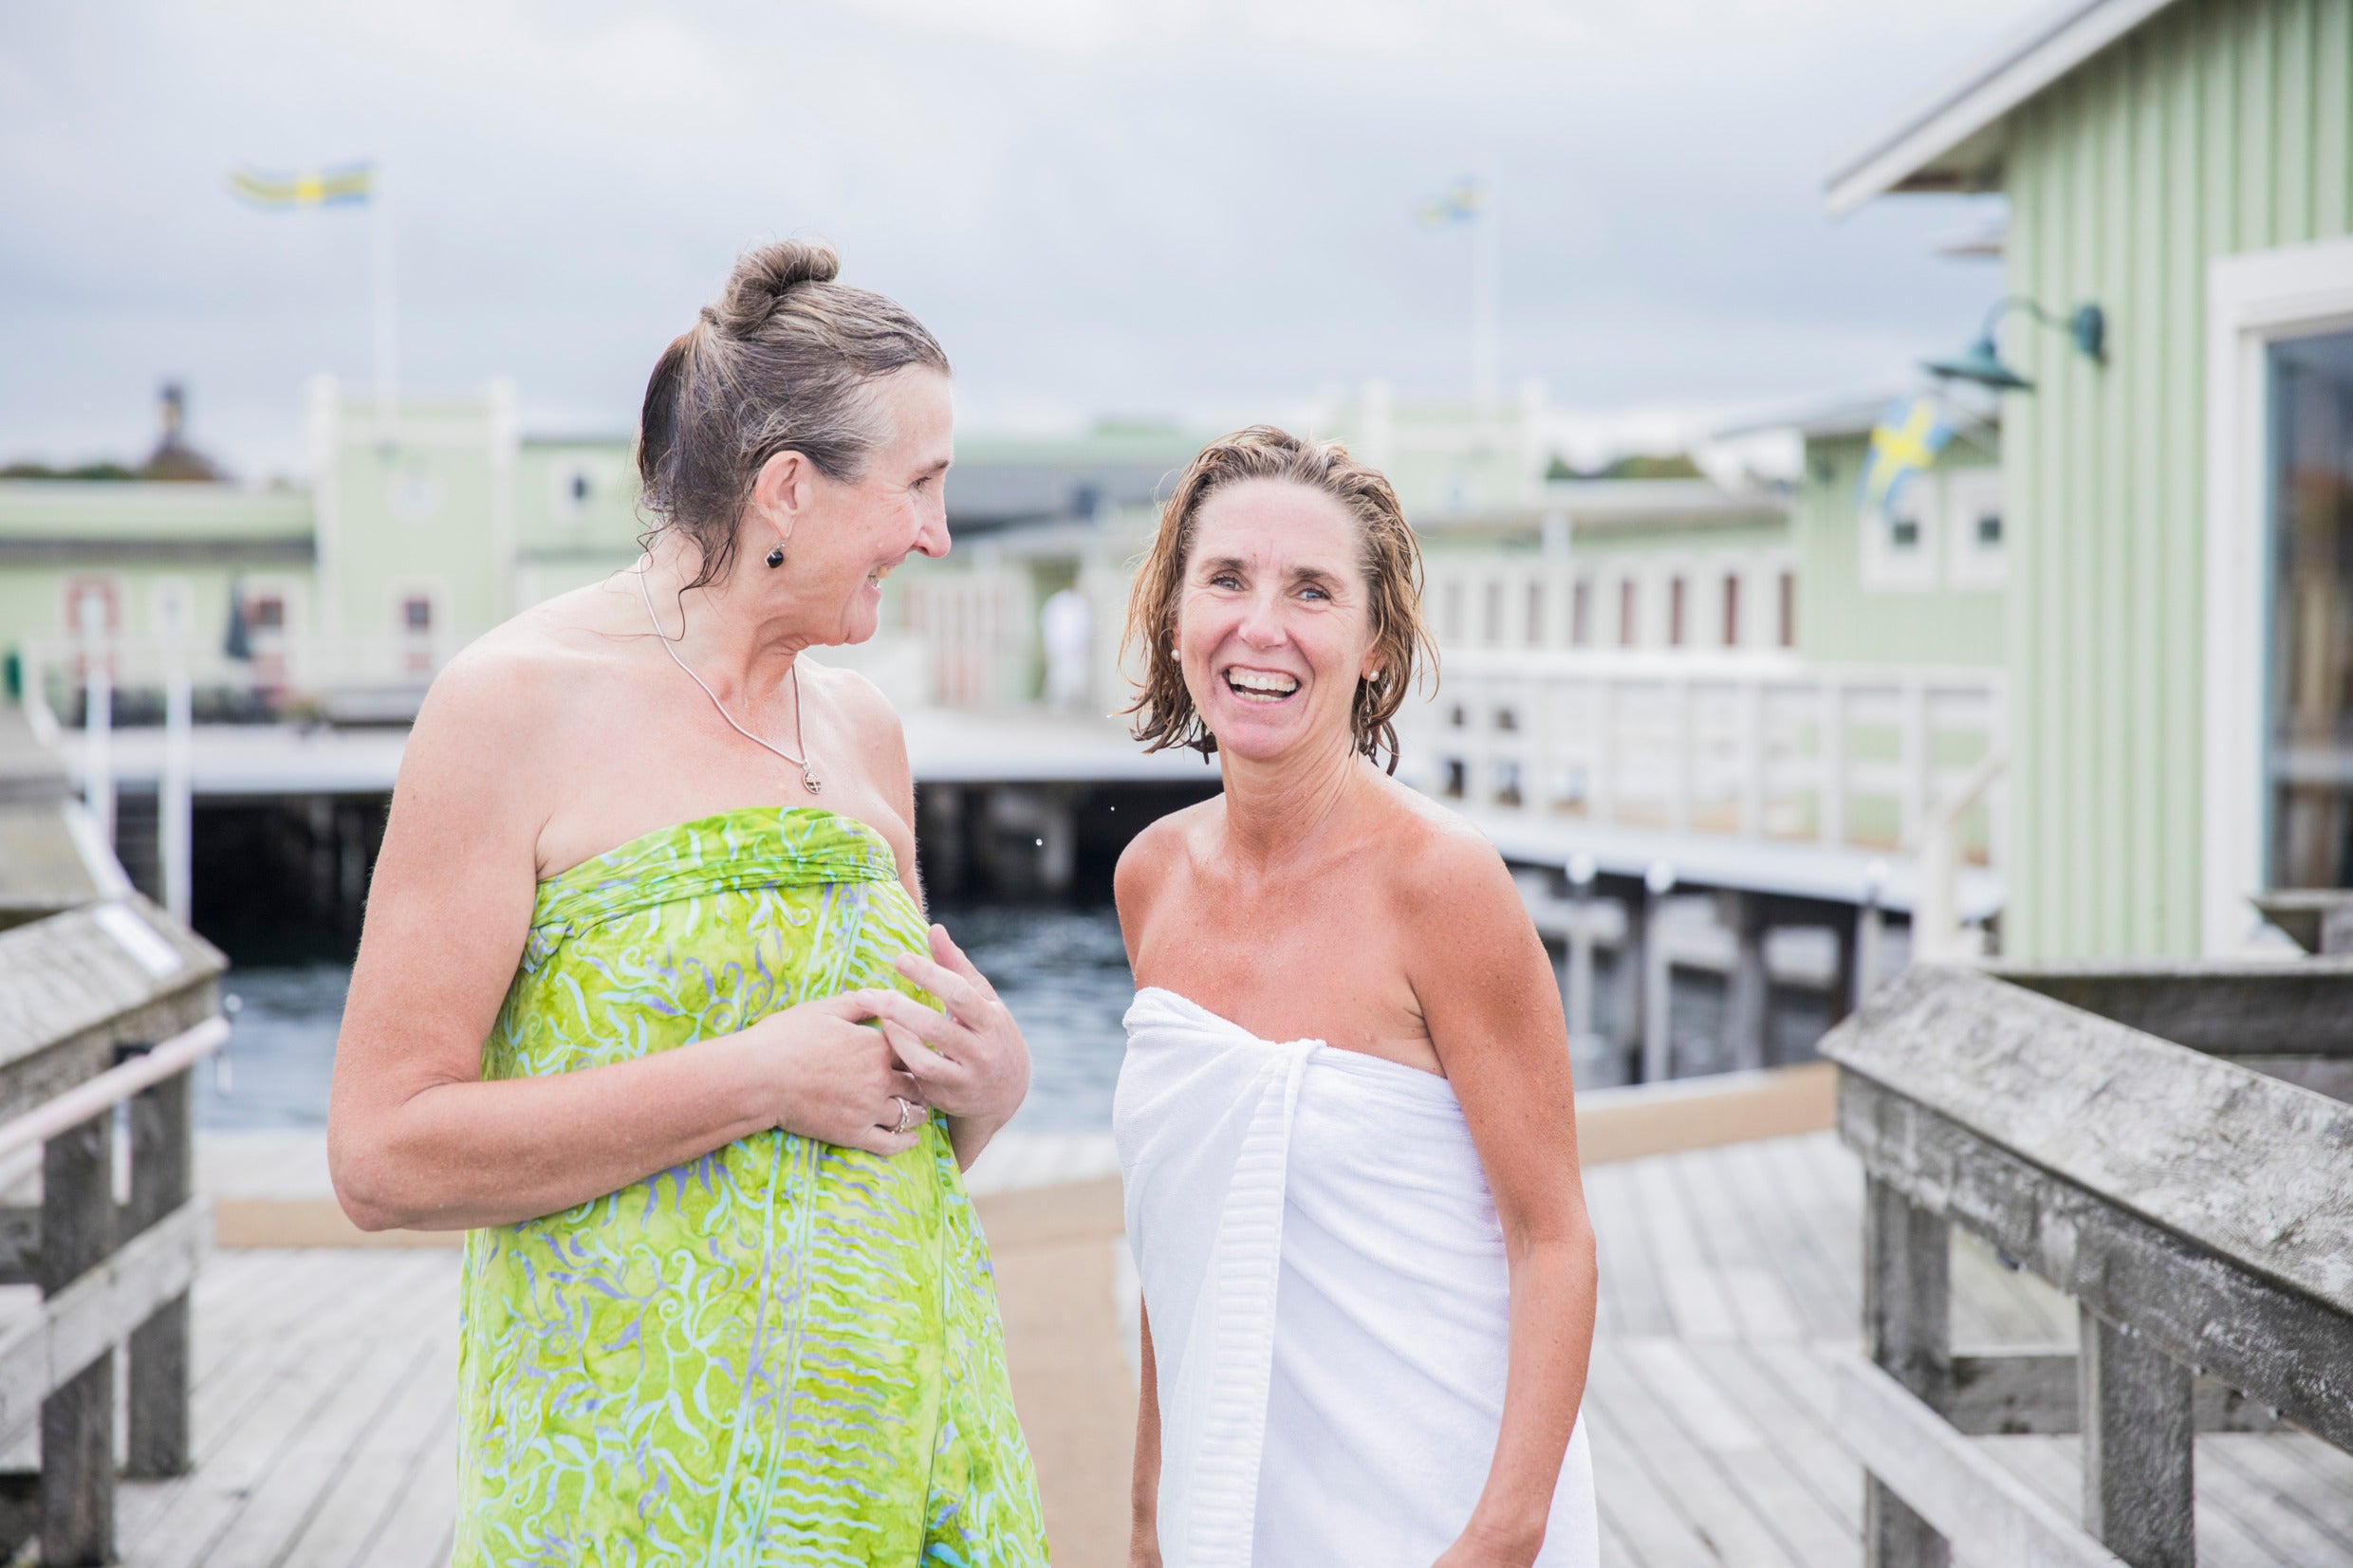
[(647, 1004)]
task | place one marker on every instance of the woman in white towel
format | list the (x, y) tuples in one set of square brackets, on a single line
[(1345, 1118)]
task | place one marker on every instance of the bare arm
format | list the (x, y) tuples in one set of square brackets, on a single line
[(1143, 1545), (415, 1138), (1488, 995)]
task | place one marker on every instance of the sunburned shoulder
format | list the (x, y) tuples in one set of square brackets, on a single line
[(1163, 845), (1441, 870), (510, 684)]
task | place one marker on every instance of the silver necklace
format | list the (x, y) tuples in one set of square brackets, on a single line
[(809, 773)]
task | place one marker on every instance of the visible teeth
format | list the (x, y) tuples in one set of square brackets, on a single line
[(1252, 680)]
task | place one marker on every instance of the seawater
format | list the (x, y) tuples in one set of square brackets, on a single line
[(1061, 973)]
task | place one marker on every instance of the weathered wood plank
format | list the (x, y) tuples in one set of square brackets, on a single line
[(76, 1393), (1631, 1500), (1950, 1482), (88, 1318), (69, 981), (2222, 1008), (162, 1176), (2277, 1343), (2011, 1393), (2139, 1494), (2250, 1169), (1907, 1331), (1696, 1483)]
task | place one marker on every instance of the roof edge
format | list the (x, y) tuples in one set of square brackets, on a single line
[(2031, 59)]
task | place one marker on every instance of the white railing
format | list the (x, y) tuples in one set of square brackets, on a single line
[(1755, 746)]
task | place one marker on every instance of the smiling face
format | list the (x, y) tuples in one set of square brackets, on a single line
[(1273, 627), (844, 537)]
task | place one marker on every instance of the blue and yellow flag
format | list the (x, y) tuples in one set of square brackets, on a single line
[(341, 185), (1904, 442), (1459, 203)]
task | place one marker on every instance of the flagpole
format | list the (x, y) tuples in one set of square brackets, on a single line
[(387, 321), (1486, 288)]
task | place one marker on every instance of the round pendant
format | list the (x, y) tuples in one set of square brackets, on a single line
[(808, 780)]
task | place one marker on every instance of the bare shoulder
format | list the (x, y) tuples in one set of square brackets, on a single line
[(515, 683), (1444, 874), (1149, 858), (858, 700)]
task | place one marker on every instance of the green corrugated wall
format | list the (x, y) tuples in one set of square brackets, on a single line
[(2220, 126)]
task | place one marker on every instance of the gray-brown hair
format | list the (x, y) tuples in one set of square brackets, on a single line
[(1390, 556), (784, 360)]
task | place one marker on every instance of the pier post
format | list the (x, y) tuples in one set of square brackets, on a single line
[(176, 788), (1578, 983), (1657, 976), (98, 718), (78, 1421), (1631, 971), (2137, 1447), (1746, 996), (161, 1179), (1907, 1326)]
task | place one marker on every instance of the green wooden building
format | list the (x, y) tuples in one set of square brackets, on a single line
[(2179, 593)]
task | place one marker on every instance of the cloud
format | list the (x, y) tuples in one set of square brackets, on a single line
[(1099, 206)]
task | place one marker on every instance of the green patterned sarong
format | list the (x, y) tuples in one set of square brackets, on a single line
[(783, 1353)]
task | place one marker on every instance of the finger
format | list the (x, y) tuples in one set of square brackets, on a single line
[(965, 1001), (904, 1087), (931, 1070), (926, 1023), (945, 949), (853, 1006)]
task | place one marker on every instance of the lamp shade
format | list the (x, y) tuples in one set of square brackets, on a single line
[(1979, 363)]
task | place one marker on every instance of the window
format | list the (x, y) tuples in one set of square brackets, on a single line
[(1581, 613), (2311, 631), (1900, 545), (1535, 615), (1450, 613), (266, 613), (1627, 628), (1784, 634), (417, 613), (1732, 611), (1494, 614), (573, 485), (1972, 505), (1676, 597)]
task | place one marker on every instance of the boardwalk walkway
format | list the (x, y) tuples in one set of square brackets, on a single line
[(325, 1378)]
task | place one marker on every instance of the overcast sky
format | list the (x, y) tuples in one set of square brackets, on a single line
[(1199, 209)]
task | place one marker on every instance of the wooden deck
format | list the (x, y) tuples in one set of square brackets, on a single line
[(324, 1382)]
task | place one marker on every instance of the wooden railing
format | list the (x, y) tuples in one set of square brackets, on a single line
[(1753, 745), (103, 1007), (2196, 1208)]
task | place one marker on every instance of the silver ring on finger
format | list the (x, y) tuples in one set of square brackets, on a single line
[(910, 1114)]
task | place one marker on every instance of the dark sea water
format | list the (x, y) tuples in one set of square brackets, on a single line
[(1062, 971)]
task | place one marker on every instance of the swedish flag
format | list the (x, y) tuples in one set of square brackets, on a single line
[(1459, 203), (1904, 442), (339, 186)]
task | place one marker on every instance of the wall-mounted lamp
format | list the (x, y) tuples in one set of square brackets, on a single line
[(1981, 361)]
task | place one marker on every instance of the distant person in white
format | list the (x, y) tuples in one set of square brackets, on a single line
[(1067, 624), (1345, 1117)]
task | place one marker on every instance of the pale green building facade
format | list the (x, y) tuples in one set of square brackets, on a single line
[(2186, 168)]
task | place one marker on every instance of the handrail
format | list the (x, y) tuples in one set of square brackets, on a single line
[(93, 1097), (1935, 910)]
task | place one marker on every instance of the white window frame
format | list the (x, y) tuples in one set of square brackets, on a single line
[(1915, 571), (1969, 563), (2252, 301)]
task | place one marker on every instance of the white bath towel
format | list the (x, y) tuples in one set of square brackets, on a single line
[(1329, 1300)]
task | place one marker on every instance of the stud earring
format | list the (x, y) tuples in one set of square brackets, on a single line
[(776, 558)]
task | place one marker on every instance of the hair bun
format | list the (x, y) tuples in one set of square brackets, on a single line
[(764, 276)]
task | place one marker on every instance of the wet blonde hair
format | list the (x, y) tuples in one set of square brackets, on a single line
[(1391, 557)]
